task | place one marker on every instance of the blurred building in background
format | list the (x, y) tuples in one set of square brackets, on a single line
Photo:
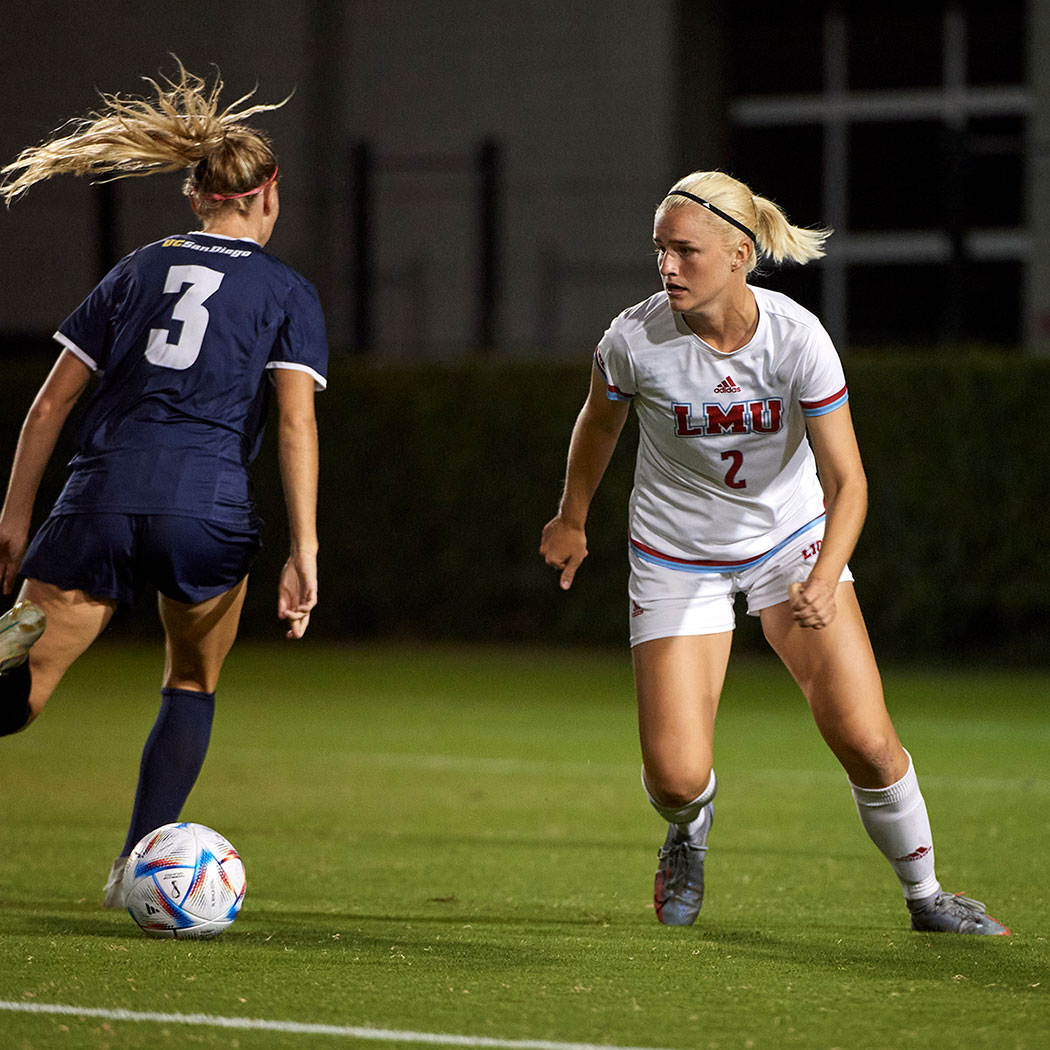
[(479, 176), (912, 129)]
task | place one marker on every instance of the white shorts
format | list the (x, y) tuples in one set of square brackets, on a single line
[(666, 601)]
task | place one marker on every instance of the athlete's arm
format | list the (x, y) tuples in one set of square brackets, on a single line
[(297, 453), (43, 424), (845, 487), (594, 437)]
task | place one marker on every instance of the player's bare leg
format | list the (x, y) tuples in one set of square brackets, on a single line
[(678, 682), (74, 621), (198, 637), (837, 672)]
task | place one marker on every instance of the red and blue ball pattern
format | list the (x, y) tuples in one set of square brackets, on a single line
[(184, 880)]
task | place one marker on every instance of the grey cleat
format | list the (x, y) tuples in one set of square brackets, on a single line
[(678, 890), (953, 913), (20, 627)]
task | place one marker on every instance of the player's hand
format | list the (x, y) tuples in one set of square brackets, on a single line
[(812, 603), (563, 547), (297, 593)]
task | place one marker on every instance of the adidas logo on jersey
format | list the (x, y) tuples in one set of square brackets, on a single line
[(727, 386)]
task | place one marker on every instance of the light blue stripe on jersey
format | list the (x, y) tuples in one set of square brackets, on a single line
[(822, 408), (727, 568), (613, 393)]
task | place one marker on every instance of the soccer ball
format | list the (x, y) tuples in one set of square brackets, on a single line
[(184, 880)]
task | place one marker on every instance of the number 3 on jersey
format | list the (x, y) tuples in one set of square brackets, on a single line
[(197, 284)]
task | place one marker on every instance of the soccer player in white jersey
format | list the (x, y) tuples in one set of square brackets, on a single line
[(748, 480), (159, 494)]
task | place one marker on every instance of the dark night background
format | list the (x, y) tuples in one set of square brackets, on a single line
[(470, 185)]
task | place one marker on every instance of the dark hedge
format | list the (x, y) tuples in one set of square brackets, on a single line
[(436, 481)]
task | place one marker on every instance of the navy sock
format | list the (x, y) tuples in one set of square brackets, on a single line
[(14, 698), (171, 760)]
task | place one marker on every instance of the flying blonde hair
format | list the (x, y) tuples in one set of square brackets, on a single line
[(182, 127), (764, 222)]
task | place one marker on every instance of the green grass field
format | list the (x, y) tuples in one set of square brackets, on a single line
[(454, 843)]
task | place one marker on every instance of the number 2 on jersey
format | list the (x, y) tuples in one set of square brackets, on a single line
[(197, 284), (736, 461)]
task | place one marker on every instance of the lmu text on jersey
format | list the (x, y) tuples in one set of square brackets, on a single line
[(741, 417)]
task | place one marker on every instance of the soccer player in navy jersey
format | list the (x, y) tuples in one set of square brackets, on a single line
[(185, 339)]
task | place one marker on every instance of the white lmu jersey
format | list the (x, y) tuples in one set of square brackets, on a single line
[(725, 475)]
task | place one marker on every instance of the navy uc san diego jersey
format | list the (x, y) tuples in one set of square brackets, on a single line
[(181, 334)]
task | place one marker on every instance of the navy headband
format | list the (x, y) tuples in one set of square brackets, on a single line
[(718, 211)]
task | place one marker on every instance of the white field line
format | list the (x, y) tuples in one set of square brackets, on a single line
[(301, 1028)]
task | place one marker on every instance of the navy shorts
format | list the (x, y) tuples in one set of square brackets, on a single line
[(120, 555)]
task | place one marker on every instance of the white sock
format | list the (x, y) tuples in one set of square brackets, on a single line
[(690, 818), (896, 820)]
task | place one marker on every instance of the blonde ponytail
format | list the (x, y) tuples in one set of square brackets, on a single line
[(780, 241), (774, 236), (182, 127)]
